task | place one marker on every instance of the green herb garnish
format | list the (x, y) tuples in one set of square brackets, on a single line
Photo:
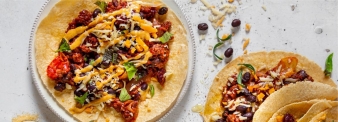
[(91, 62), (152, 90), (124, 96), (131, 69), (114, 59), (81, 99), (64, 46), (214, 50), (220, 39), (219, 44), (249, 66), (239, 78), (102, 5), (165, 37), (328, 65)]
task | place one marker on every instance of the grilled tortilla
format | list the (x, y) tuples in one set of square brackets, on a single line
[(48, 38)]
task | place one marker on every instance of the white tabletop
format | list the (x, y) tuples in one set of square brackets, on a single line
[(277, 28)]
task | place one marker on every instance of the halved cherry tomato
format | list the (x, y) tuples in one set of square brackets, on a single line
[(58, 67)]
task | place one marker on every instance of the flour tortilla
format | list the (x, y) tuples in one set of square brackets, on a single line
[(260, 60), (304, 111), (52, 29), (329, 115), (300, 91), (316, 109)]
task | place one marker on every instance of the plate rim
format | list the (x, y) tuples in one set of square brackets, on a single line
[(64, 115)]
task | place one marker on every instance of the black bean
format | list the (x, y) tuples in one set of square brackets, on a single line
[(96, 12), (136, 27), (111, 91), (249, 115), (228, 52), (236, 23), (202, 26), (78, 93), (91, 88), (246, 92), (246, 77), (163, 10), (241, 108), (251, 98), (144, 86), (288, 118), (60, 87)]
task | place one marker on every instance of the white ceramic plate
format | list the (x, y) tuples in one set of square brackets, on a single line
[(48, 98)]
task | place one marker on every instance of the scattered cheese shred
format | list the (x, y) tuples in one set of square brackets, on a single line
[(247, 27), (230, 1), (264, 8), (220, 21), (260, 96), (246, 42), (245, 51)]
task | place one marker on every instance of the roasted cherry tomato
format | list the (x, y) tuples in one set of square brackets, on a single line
[(58, 67), (287, 66)]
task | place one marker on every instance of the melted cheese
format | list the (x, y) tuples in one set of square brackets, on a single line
[(102, 99), (74, 32)]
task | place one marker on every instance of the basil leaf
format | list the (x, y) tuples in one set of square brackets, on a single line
[(64, 46), (131, 69), (214, 50), (165, 37), (152, 90), (114, 59), (102, 5), (124, 96), (239, 78), (220, 39), (81, 99), (328, 65), (249, 66)]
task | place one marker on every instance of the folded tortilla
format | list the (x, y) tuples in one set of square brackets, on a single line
[(260, 60)]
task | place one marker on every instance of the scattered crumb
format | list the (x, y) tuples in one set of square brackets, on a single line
[(25, 117), (193, 1), (212, 70), (293, 7), (247, 27), (246, 42), (209, 54), (264, 7), (245, 51), (327, 50), (239, 2), (210, 47), (203, 8), (202, 37)]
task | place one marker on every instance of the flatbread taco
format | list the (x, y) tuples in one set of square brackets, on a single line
[(113, 60), (240, 91)]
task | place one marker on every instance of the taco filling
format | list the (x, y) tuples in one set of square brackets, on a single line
[(111, 55), (246, 91)]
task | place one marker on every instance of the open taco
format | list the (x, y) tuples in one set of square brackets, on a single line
[(240, 90), (112, 60)]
